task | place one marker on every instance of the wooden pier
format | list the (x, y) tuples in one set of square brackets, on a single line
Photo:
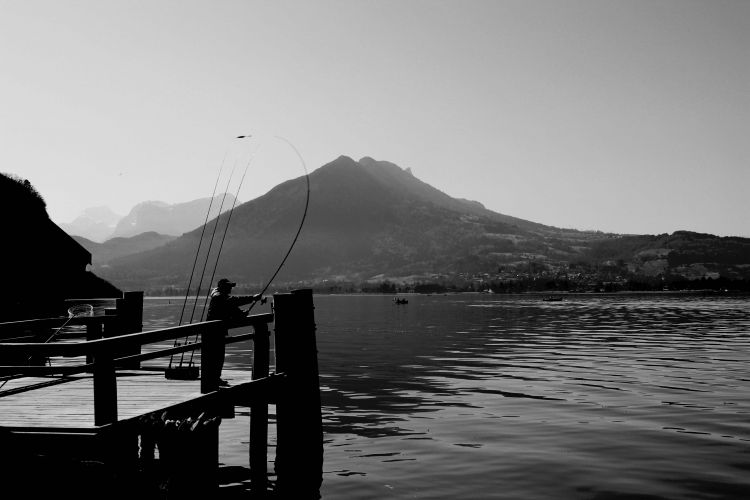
[(109, 403)]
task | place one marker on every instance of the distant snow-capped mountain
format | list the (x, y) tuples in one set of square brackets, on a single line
[(168, 219), (98, 224), (95, 224)]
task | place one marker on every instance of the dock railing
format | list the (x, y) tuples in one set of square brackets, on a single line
[(294, 388), (106, 356), (124, 316)]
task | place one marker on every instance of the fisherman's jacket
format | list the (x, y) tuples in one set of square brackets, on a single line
[(227, 307)]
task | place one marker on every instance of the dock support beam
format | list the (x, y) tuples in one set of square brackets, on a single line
[(299, 451)]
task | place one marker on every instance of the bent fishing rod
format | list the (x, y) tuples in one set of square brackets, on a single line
[(302, 221), (226, 229), (296, 236)]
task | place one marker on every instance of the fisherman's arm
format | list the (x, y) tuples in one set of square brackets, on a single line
[(241, 300)]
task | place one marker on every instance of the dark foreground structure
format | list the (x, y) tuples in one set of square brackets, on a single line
[(41, 264), (103, 421)]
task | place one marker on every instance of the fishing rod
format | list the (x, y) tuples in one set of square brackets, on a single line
[(200, 242), (302, 221), (192, 271), (218, 254), (226, 229), (205, 222), (210, 244)]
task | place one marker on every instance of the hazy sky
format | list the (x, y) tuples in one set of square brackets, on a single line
[(625, 116)]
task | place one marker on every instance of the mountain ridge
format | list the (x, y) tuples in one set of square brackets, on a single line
[(120, 246), (372, 218), (170, 219), (95, 223), (99, 224)]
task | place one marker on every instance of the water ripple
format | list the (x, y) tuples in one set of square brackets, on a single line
[(596, 396)]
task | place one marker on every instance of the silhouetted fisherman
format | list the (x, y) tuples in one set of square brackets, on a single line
[(226, 307)]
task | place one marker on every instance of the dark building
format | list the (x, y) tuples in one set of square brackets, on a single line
[(40, 264)]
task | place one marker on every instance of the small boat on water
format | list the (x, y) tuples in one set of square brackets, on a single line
[(400, 301)]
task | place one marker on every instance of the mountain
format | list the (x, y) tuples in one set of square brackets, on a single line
[(372, 220), (683, 254), (102, 253), (96, 224), (169, 219)]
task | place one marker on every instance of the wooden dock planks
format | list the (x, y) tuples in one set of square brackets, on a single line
[(69, 405)]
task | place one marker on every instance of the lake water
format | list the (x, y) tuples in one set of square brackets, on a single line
[(495, 397)]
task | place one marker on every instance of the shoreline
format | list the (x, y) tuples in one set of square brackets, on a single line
[(555, 293)]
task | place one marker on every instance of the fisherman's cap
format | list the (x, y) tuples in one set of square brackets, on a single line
[(226, 282)]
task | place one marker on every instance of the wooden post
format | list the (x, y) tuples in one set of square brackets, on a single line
[(119, 454), (130, 310), (134, 307), (259, 412), (93, 332), (299, 451), (205, 470), (113, 327), (105, 388), (212, 355)]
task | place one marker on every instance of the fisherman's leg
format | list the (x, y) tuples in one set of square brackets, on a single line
[(221, 359), (222, 382)]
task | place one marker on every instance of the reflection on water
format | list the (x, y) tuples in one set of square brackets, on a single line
[(475, 396)]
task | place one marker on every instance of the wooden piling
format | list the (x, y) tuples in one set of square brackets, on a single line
[(112, 329), (94, 331), (212, 355), (259, 411), (299, 451), (130, 310), (105, 388)]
